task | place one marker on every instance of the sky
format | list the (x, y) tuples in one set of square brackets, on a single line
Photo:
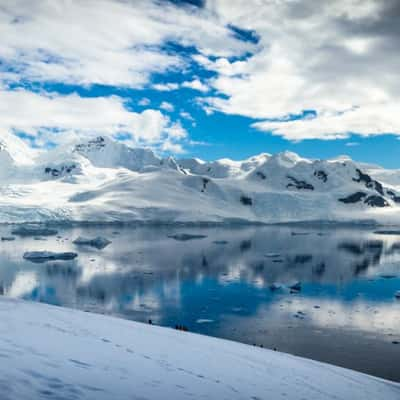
[(205, 78)]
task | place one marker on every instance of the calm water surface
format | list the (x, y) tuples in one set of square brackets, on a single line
[(220, 285)]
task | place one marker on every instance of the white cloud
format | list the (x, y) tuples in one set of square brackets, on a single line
[(107, 42), (196, 84), (167, 106), (165, 87), (325, 56), (144, 102), (367, 120), (186, 115), (39, 113), (170, 147), (340, 58)]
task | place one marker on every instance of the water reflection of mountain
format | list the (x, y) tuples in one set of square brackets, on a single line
[(144, 261)]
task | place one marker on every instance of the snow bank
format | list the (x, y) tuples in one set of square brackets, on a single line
[(50, 352)]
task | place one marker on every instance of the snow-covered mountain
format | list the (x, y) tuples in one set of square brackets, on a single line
[(101, 180)]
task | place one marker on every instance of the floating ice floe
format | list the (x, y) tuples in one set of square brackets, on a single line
[(186, 236), (98, 242), (221, 242), (42, 256), (7, 238), (272, 255), (275, 286), (296, 287)]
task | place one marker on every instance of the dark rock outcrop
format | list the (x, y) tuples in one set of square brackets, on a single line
[(376, 201), (393, 196), (369, 182), (63, 170), (261, 175), (205, 183), (353, 198), (297, 184), (322, 175), (245, 200)]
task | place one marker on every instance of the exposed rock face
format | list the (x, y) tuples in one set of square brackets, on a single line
[(60, 171), (369, 182), (247, 201), (322, 175), (205, 183), (96, 143), (372, 200), (393, 196), (298, 184), (261, 175), (353, 198), (376, 201)]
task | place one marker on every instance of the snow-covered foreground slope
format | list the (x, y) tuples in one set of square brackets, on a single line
[(51, 352), (105, 181)]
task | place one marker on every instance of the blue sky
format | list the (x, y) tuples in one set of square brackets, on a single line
[(205, 78)]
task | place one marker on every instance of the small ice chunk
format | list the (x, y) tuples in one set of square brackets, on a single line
[(296, 287), (186, 236), (388, 276), (275, 286), (98, 242), (397, 295), (221, 242), (42, 256), (272, 255), (7, 238)]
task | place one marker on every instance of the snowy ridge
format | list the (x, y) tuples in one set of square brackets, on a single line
[(108, 358), (101, 180)]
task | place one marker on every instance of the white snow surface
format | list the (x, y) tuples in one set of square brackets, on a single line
[(105, 181), (51, 352)]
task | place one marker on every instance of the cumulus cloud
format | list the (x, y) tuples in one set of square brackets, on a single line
[(49, 114), (339, 58), (144, 102), (165, 105), (165, 87), (107, 42), (196, 84), (366, 120)]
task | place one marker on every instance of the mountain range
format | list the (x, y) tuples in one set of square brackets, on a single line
[(101, 180)]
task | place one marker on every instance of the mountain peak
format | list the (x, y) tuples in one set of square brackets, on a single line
[(104, 152)]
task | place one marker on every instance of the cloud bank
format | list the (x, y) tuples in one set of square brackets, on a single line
[(300, 69)]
